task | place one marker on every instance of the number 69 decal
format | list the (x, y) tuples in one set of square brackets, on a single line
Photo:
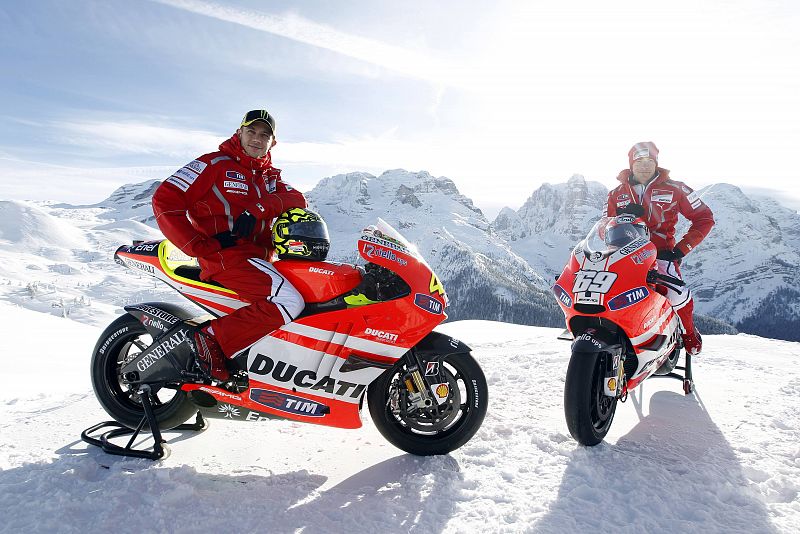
[(593, 281)]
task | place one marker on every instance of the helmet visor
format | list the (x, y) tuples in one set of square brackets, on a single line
[(310, 229)]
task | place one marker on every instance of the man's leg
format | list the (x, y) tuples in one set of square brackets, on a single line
[(274, 301), (683, 304)]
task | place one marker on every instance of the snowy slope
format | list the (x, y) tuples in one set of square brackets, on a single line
[(723, 460)]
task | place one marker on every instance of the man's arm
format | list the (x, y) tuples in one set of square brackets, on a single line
[(171, 203), (699, 214)]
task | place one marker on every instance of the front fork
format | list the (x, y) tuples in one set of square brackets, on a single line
[(614, 382), (419, 395)]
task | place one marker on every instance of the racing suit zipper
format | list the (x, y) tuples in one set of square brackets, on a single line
[(258, 192)]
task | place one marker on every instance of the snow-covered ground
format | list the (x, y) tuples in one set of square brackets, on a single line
[(725, 459)]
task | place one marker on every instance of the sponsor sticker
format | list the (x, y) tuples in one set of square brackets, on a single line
[(633, 247), (229, 410), (432, 369), (640, 257), (317, 270), (142, 266), (187, 175), (288, 403), (562, 296), (428, 303), (623, 203), (236, 185), (660, 196), (371, 251), (384, 242), (284, 374), (380, 334), (587, 298), (196, 165), (625, 218), (233, 175), (629, 298), (623, 196)]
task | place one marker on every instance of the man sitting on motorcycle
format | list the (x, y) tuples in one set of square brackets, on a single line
[(647, 191), (218, 208)]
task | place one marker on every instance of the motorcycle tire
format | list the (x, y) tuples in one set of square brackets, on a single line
[(669, 365), (438, 430), (589, 412), (121, 341)]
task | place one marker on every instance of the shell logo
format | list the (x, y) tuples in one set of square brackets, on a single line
[(612, 384), (442, 390)]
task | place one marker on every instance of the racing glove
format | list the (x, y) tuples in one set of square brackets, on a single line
[(670, 255), (637, 210), (225, 239), (245, 224)]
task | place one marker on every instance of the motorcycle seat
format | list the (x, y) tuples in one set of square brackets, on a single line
[(193, 273)]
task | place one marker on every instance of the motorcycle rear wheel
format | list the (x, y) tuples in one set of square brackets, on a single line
[(121, 341), (438, 430), (669, 365), (589, 412)]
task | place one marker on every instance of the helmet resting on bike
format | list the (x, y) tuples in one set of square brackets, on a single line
[(299, 233)]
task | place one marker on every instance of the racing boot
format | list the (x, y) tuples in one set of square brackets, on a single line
[(693, 343), (209, 354)]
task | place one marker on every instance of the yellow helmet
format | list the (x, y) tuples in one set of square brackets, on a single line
[(301, 234)]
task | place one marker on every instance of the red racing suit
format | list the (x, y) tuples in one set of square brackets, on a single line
[(204, 198), (663, 199)]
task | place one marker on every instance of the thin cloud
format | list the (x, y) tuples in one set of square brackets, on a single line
[(409, 63), (138, 138)]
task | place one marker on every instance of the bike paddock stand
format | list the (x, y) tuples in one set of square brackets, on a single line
[(159, 450), (686, 378)]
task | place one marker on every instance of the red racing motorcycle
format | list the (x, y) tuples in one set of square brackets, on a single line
[(366, 333), (623, 329)]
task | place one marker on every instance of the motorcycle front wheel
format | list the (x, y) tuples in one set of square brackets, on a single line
[(440, 428), (589, 412), (119, 344)]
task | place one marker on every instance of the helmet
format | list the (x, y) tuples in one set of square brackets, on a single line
[(625, 229), (302, 234)]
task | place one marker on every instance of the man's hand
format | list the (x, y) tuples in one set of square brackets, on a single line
[(225, 239), (670, 255), (245, 224), (637, 210)]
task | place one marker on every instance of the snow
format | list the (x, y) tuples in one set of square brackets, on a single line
[(725, 459)]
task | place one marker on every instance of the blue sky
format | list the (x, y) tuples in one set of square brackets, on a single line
[(498, 96)]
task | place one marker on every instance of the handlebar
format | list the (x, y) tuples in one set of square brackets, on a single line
[(654, 277)]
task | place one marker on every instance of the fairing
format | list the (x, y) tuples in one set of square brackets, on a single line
[(605, 281)]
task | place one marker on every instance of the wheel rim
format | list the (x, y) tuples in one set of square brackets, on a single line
[(122, 352), (439, 420)]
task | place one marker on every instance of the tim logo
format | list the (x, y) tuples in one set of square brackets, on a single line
[(428, 303), (287, 403), (628, 298), (562, 296)]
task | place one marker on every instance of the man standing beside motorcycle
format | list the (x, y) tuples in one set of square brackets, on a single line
[(218, 208), (647, 191)]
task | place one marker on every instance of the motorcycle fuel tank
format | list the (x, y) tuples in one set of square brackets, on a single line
[(319, 281)]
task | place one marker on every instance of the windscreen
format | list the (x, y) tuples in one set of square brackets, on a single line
[(613, 233)]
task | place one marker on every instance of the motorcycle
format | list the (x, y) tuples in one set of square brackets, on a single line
[(366, 332), (622, 327)]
